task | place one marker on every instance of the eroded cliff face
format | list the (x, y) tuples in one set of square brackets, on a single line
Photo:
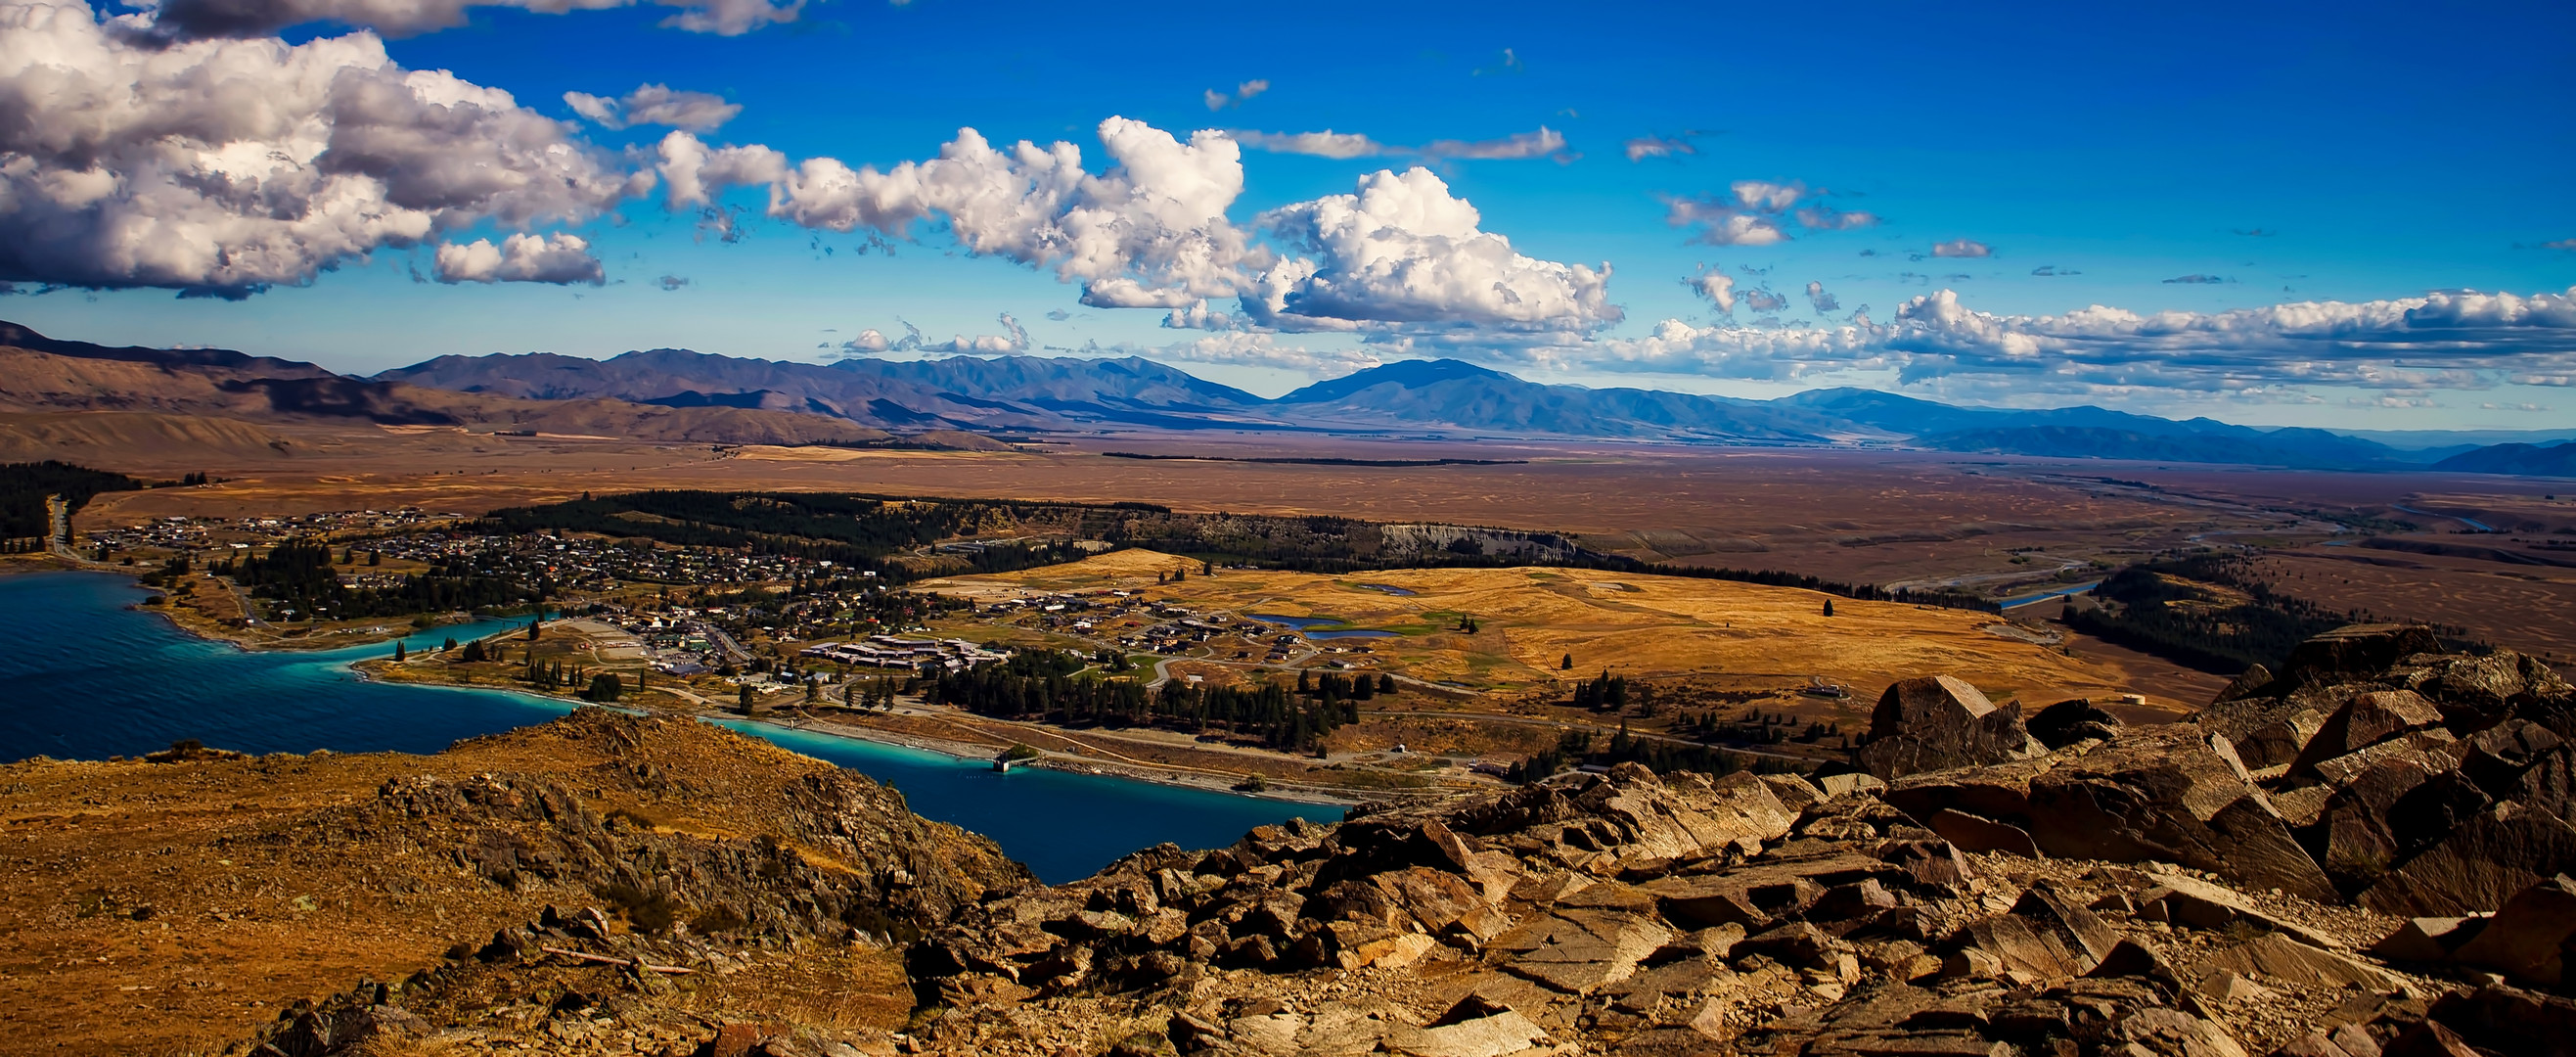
[(2362, 856)]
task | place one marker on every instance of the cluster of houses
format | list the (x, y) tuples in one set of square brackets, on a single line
[(194, 534), (890, 651)]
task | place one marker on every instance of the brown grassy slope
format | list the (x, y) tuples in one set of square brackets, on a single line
[(82, 436), (174, 907), (33, 381), (43, 381), (1529, 619)]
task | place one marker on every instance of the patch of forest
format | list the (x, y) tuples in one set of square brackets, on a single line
[(861, 531), (298, 574), (24, 486), (1057, 687), (2208, 610)]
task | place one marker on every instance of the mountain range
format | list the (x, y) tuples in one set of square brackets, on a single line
[(678, 394)]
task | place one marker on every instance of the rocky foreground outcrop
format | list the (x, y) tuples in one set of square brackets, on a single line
[(2360, 857), (177, 903)]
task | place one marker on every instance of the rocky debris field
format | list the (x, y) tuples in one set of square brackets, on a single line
[(2364, 855), (2057, 886)]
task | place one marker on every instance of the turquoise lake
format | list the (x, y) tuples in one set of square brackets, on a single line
[(84, 676)]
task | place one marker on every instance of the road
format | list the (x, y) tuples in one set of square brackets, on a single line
[(2015, 603), (724, 642), (59, 538)]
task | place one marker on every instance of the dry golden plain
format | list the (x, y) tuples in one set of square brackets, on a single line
[(2000, 525), (1868, 517), (1652, 627)]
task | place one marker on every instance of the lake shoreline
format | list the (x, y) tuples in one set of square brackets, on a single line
[(960, 750), (983, 753), (99, 681), (207, 629)]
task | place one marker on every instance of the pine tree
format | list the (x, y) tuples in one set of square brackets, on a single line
[(1829, 607), (1567, 664), (398, 651)]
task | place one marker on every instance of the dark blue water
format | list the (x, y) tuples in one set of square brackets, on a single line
[(84, 677)]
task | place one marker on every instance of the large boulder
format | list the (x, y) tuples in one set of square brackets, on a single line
[(2388, 812), (2366, 719), (2357, 651), (2476, 690), (2169, 794), (2173, 795), (2067, 722), (2501, 1019), (2501, 851), (2525, 939), (1937, 723), (2498, 757)]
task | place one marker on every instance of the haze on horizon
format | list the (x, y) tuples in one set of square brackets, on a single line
[(2282, 216)]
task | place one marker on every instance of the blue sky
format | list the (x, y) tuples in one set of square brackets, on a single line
[(2366, 155)]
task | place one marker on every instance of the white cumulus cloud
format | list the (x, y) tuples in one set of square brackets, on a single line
[(1012, 341), (1325, 144), (225, 166), (1758, 213), (1403, 250), (1962, 248), (199, 19), (655, 104), (1150, 232), (1717, 286), (1242, 94), (1644, 147), (1544, 142), (2444, 340), (522, 258)]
